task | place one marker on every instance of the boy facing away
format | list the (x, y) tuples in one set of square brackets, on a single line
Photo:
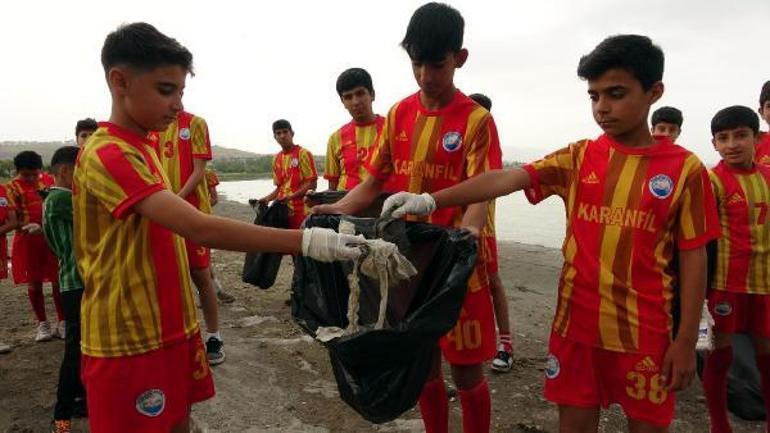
[(143, 361), (633, 200), (739, 299)]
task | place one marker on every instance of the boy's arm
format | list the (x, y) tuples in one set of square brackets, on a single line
[(355, 201), (308, 185), (9, 224), (199, 170), (270, 197), (679, 362), (213, 196)]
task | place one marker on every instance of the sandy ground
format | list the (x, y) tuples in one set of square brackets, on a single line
[(277, 380)]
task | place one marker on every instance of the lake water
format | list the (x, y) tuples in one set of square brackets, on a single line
[(516, 219)]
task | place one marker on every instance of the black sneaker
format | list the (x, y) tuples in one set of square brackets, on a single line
[(503, 362), (214, 351), (80, 410)]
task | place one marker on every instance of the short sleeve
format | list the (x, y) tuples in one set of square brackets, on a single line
[(10, 195), (483, 152), (552, 174), (332, 169), (716, 186), (199, 139), (307, 165), (697, 223), (380, 162), (277, 170), (119, 177)]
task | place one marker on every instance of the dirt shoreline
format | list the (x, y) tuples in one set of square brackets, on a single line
[(276, 379)]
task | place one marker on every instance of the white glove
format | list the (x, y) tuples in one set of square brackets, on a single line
[(403, 203), (326, 245)]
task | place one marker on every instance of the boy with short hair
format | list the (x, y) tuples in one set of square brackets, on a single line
[(57, 228), (433, 139), (294, 174), (143, 362), (32, 261), (83, 129), (762, 154), (348, 147), (632, 201), (740, 297), (503, 360), (667, 121)]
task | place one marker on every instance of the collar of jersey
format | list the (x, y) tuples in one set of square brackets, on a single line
[(441, 110), (662, 141), (124, 134), (290, 151), (737, 170), (376, 118)]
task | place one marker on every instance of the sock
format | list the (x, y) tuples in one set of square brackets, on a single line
[(57, 302), (434, 406), (477, 408), (763, 365), (715, 388), (506, 342), (37, 301), (213, 334)]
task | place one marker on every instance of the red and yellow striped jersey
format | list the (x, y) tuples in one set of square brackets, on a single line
[(186, 139), (137, 281), (426, 151), (26, 198), (290, 170), (5, 205), (627, 211), (348, 149), (762, 150), (743, 250)]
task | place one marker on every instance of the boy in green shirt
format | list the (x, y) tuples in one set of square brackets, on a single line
[(57, 227)]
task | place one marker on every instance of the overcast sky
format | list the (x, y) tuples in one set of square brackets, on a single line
[(259, 61)]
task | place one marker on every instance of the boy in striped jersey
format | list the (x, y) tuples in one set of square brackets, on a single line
[(667, 121), (633, 200), (57, 228), (740, 297), (762, 154)]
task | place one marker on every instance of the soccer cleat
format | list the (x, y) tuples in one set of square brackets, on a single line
[(43, 332), (60, 330), (225, 297), (61, 426), (214, 351), (503, 362)]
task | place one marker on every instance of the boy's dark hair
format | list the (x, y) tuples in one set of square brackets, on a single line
[(482, 100), (633, 53), (434, 30), (87, 124), (352, 78), (142, 46), (734, 117), (667, 115), (282, 124), (764, 94), (65, 155), (28, 159)]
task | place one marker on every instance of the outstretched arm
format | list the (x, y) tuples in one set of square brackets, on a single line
[(355, 201)]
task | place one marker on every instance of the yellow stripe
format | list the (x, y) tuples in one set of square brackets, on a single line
[(423, 143)]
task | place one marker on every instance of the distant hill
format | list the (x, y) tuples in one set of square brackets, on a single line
[(8, 149)]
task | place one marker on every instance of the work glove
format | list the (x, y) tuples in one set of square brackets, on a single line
[(403, 203), (326, 245)]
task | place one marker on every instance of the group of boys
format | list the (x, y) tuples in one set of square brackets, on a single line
[(634, 201)]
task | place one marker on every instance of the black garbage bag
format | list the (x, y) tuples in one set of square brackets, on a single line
[(260, 269), (381, 373), (329, 197)]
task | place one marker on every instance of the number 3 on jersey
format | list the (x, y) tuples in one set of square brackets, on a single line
[(168, 149), (639, 388)]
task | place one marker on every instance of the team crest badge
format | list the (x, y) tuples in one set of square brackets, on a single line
[(3, 202), (552, 367), (723, 309), (151, 403), (294, 163), (184, 133), (452, 141), (661, 186)]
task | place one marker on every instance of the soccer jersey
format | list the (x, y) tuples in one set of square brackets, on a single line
[(290, 170), (426, 151), (137, 279), (4, 205), (762, 150), (57, 228), (627, 211), (185, 140), (347, 150), (26, 198), (743, 250)]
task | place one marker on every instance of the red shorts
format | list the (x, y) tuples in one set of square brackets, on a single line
[(199, 257), (148, 393), (740, 312), (490, 243), (584, 376), (32, 261), (472, 340), (3, 257)]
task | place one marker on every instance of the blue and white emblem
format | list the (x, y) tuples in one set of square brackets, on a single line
[(661, 186), (552, 366), (151, 403), (723, 309), (452, 141), (184, 133)]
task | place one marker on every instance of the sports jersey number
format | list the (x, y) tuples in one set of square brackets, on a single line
[(762, 217), (203, 364), (466, 335), (168, 149), (639, 389)]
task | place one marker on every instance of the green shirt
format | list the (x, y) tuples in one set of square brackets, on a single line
[(57, 227)]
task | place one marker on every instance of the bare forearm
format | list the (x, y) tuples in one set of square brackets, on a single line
[(271, 196), (475, 216), (483, 187), (196, 177), (227, 234), (692, 286), (303, 189)]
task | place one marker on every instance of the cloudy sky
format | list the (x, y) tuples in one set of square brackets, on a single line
[(259, 61)]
